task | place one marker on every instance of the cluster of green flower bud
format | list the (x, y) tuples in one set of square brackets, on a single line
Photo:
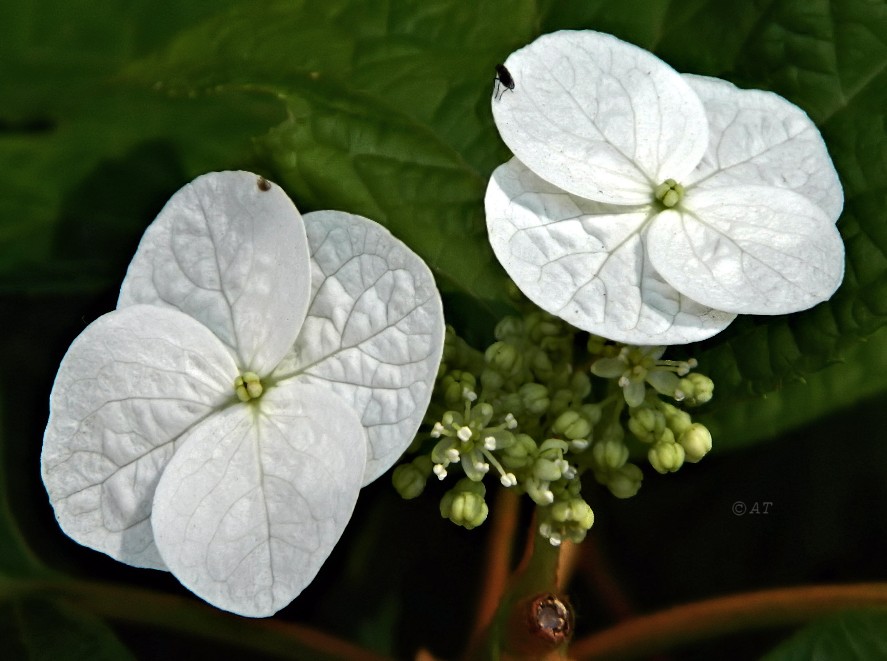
[(528, 411)]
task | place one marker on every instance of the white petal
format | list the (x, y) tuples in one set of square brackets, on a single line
[(229, 249), (257, 496), (599, 117), (374, 333), (759, 138), (586, 263), (754, 250), (127, 388)]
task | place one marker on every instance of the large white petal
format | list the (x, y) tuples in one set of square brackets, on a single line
[(374, 332), (586, 263), (127, 388), (599, 117), (257, 496), (229, 249), (759, 138), (751, 250)]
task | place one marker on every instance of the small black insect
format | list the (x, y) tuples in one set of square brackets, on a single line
[(503, 81), (264, 184)]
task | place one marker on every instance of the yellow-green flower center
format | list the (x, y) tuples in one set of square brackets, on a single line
[(248, 386), (669, 193)]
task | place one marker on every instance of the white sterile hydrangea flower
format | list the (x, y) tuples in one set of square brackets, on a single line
[(221, 422), (650, 207)]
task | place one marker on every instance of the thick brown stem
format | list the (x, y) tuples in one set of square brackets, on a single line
[(659, 632)]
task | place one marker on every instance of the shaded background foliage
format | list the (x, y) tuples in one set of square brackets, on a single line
[(382, 108)]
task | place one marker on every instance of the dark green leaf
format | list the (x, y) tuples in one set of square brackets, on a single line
[(859, 636), (41, 630)]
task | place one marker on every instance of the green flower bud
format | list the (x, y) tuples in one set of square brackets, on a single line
[(509, 327), (566, 519), (676, 419), (666, 436), (534, 397), (409, 479), (580, 384), (492, 381), (456, 385), (520, 453), (560, 401), (592, 413), (464, 504), (696, 441), (697, 388), (572, 425), (646, 423), (666, 457), (513, 403), (541, 365), (540, 325), (624, 482), (609, 453), (504, 358)]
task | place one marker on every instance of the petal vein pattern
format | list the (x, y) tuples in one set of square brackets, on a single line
[(586, 262), (256, 498), (602, 119), (759, 138), (374, 332), (749, 249), (129, 386), (218, 251)]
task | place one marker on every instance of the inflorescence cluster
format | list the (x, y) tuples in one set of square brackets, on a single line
[(541, 407)]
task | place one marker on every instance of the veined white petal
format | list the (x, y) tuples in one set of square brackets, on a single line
[(257, 496), (599, 117), (229, 249), (759, 138), (750, 250), (374, 333), (586, 262), (128, 387)]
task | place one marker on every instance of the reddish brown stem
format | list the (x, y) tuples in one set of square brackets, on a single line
[(497, 566), (712, 618)]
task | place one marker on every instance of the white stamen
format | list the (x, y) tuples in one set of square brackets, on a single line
[(510, 422), (437, 430), (464, 434), (440, 471), (489, 443)]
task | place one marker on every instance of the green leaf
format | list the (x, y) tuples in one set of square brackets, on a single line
[(38, 630), (854, 636), (387, 115), (69, 119), (862, 373)]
